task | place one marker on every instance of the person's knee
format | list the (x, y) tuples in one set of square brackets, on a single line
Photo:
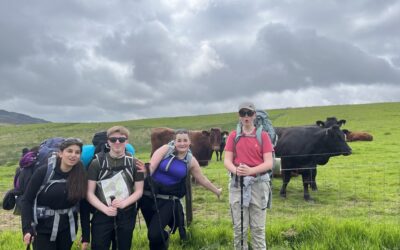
[(156, 236), (258, 232)]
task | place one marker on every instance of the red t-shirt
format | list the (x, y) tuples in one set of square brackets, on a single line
[(248, 149)]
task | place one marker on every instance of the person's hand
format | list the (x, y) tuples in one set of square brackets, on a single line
[(85, 245), (110, 211), (219, 192), (82, 245), (243, 170), (140, 166), (27, 238), (118, 203)]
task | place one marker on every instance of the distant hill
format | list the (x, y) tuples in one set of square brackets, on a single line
[(17, 118)]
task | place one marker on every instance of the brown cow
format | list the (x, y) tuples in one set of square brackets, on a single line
[(200, 142), (224, 135), (215, 138), (357, 135)]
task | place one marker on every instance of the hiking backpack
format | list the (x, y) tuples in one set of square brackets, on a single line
[(35, 159), (31, 161), (21, 178), (99, 141)]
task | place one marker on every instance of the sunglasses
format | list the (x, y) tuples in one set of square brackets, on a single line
[(243, 113), (115, 139)]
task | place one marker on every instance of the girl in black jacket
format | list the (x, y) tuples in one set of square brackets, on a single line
[(56, 202)]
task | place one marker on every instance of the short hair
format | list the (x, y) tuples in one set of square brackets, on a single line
[(118, 129), (181, 131), (71, 141)]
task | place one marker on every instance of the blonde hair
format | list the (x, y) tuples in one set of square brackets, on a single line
[(118, 129)]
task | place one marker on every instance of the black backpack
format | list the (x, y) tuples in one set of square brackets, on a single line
[(99, 140)]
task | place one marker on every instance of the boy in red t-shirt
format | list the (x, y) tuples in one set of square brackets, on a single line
[(248, 162)]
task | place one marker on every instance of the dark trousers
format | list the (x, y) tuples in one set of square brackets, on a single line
[(62, 242), (169, 215), (103, 229)]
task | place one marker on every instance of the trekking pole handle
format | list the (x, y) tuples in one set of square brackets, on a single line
[(112, 197), (147, 167)]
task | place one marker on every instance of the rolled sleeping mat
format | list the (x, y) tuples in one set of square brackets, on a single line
[(88, 153)]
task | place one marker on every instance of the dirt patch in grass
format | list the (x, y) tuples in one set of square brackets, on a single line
[(9, 221)]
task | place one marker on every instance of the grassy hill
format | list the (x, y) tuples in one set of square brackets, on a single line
[(356, 206), (379, 119), (17, 118)]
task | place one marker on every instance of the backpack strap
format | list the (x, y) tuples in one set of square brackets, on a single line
[(49, 174), (103, 163), (128, 168), (258, 135), (171, 152)]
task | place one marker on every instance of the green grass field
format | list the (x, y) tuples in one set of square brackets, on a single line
[(357, 205)]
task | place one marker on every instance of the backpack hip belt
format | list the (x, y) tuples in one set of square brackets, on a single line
[(161, 196), (46, 212)]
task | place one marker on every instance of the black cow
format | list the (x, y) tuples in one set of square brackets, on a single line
[(330, 121), (305, 147)]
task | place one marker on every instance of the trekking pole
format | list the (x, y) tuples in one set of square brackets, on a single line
[(112, 197), (150, 181), (241, 212)]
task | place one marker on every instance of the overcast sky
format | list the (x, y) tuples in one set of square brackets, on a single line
[(81, 61)]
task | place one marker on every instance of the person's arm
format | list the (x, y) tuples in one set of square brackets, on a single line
[(228, 162), (28, 200), (84, 215), (157, 157), (92, 199), (195, 171)]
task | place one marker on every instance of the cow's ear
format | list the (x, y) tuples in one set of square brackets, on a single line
[(320, 123), (341, 122), (205, 132)]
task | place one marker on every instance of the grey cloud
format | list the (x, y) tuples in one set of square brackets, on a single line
[(118, 60)]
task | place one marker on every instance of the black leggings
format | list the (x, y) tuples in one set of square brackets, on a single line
[(103, 229), (169, 215), (62, 242)]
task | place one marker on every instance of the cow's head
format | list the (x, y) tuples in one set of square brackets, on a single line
[(335, 140), (215, 138), (330, 121)]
